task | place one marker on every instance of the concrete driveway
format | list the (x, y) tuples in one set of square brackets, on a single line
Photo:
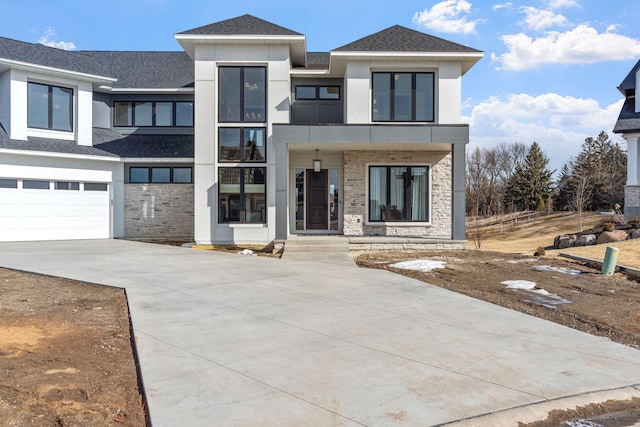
[(232, 340)]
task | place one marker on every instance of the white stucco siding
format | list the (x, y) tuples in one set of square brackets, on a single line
[(5, 101), (449, 92), (208, 59), (357, 92)]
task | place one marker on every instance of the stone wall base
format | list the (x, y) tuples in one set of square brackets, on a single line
[(158, 211), (631, 202)]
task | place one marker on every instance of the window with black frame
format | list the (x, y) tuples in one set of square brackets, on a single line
[(237, 145), (399, 193), (242, 195), (49, 107), (160, 175), (242, 94), (403, 97), (153, 113)]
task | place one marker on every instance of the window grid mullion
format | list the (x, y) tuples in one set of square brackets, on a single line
[(50, 107)]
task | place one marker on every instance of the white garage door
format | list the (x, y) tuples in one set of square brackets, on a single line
[(37, 209)]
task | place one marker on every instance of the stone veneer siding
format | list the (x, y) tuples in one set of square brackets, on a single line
[(158, 211), (356, 188), (631, 202)]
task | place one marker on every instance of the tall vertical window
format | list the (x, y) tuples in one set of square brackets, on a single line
[(243, 94), (242, 196), (49, 107), (403, 97), (398, 193), (242, 145)]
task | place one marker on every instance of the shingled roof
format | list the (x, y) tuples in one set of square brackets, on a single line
[(35, 53), (628, 85), (147, 146), (50, 145), (243, 25), (147, 70), (401, 39)]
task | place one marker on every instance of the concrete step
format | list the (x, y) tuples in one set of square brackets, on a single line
[(317, 244)]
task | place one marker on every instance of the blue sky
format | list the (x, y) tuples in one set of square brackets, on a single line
[(549, 74)]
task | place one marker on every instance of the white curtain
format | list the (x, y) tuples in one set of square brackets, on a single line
[(377, 192), (419, 194)]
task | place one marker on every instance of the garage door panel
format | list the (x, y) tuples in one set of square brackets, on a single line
[(45, 214)]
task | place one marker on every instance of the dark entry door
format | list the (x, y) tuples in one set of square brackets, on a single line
[(317, 200)]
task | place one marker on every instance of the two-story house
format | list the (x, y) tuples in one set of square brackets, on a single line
[(628, 125), (243, 137)]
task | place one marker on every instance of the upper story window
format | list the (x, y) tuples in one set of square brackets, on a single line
[(243, 94), (403, 97), (242, 145), (318, 92), (153, 113), (49, 107), (160, 175)]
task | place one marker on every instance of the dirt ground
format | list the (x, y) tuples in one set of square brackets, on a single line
[(65, 354)]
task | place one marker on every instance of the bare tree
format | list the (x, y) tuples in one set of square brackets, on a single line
[(582, 194)]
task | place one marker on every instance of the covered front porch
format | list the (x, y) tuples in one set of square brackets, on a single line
[(404, 182)]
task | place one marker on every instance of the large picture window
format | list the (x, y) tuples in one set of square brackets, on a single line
[(242, 145), (403, 97), (153, 113), (49, 107), (243, 95), (242, 196), (399, 193)]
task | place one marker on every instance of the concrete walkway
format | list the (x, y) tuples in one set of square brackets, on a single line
[(230, 340)]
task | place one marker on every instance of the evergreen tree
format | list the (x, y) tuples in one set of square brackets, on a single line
[(530, 181), (564, 188), (605, 165)]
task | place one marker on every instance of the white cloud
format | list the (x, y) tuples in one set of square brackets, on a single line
[(502, 5), (49, 34), (581, 45), (448, 16), (538, 19), (558, 123), (557, 4)]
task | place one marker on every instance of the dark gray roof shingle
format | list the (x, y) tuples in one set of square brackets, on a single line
[(628, 120), (147, 70), (243, 25), (401, 39), (318, 60), (628, 85), (35, 53), (50, 145), (158, 146)]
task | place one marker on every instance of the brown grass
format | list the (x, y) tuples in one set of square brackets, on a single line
[(529, 233)]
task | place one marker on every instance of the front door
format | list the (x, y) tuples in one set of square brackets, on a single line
[(317, 200)]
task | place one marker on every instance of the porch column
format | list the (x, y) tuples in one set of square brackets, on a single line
[(632, 189), (458, 205), (282, 190)]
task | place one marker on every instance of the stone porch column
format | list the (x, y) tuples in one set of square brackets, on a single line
[(632, 189)]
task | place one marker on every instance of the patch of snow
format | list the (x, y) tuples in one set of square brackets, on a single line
[(518, 261), (582, 423), (562, 270), (246, 252), (423, 265), (519, 284)]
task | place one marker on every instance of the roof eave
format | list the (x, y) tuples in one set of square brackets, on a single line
[(297, 43), (93, 78), (468, 59)]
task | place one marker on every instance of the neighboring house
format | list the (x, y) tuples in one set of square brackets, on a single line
[(628, 125), (245, 137)]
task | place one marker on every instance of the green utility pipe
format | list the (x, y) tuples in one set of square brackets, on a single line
[(609, 262)]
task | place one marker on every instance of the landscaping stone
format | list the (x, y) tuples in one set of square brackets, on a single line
[(586, 240), (565, 241), (635, 234), (612, 236)]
